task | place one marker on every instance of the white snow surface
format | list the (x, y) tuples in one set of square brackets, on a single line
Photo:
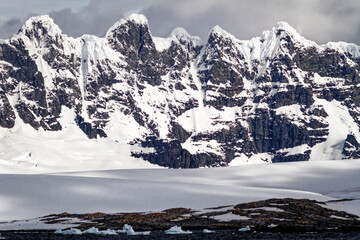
[(271, 209), (230, 216), (25, 196), (25, 150), (37, 224), (179, 36), (340, 124), (345, 47)]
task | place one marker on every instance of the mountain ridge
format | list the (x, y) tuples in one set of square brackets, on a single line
[(185, 102)]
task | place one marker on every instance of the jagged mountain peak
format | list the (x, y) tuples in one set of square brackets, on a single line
[(284, 30), (280, 27), (137, 19), (131, 35), (38, 26), (218, 31), (285, 27), (221, 39)]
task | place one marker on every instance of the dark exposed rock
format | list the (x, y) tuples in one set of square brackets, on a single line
[(179, 133), (179, 86), (272, 132), (355, 96), (300, 214), (294, 95), (134, 40), (172, 155), (283, 157), (320, 112), (234, 137), (180, 109), (351, 147), (32, 87), (221, 77), (7, 115), (88, 129), (329, 63), (27, 116)]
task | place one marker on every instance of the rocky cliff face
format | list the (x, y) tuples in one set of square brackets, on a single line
[(274, 98)]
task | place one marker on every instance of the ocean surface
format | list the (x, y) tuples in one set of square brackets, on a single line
[(221, 234)]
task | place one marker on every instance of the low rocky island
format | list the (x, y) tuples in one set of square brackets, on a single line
[(272, 215)]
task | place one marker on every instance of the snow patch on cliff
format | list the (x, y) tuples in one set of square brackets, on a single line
[(340, 124)]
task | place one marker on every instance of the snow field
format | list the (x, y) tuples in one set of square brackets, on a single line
[(25, 150), (144, 190)]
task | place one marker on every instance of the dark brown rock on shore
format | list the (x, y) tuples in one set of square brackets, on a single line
[(272, 215)]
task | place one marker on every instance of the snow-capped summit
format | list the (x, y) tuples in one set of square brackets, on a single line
[(285, 27), (137, 19), (40, 25), (218, 31), (184, 37), (180, 33), (177, 101)]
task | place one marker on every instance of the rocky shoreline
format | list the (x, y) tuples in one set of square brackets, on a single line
[(273, 215)]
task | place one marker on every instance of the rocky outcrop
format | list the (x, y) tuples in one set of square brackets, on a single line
[(351, 147), (173, 155), (193, 103), (271, 215), (7, 115)]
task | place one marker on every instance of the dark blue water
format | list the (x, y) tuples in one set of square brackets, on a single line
[(221, 234)]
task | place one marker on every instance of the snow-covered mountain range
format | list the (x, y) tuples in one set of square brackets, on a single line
[(176, 102)]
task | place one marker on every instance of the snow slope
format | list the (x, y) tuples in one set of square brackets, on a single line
[(158, 189), (25, 150), (341, 123)]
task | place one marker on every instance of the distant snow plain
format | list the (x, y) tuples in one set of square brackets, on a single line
[(26, 196)]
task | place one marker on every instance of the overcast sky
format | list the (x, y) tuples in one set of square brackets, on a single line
[(318, 20)]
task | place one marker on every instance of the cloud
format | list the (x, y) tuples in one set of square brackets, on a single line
[(318, 20), (97, 17), (9, 27)]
